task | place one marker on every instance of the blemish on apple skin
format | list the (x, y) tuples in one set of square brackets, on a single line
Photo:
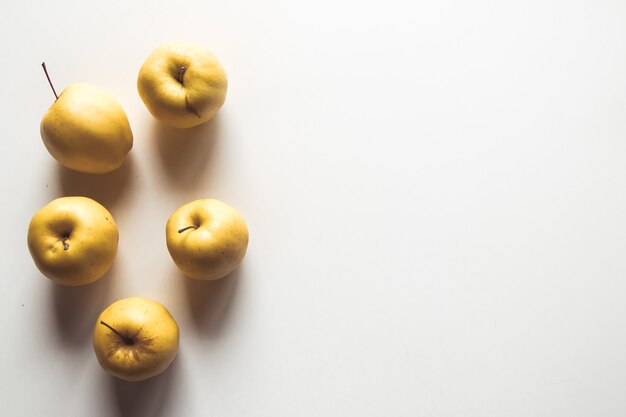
[(139, 347), (138, 331), (190, 108)]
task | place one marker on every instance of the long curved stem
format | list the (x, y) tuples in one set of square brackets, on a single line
[(187, 228)]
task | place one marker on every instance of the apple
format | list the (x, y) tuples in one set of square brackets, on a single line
[(73, 240), (207, 239), (182, 84), (86, 129), (135, 339)]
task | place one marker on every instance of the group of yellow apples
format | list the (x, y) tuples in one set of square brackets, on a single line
[(73, 240)]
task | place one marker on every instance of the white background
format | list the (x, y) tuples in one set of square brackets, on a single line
[(435, 191)]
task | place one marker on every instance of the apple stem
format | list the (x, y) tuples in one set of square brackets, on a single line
[(45, 70), (126, 339), (187, 228), (181, 74), (66, 245)]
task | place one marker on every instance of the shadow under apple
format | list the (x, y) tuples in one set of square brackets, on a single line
[(107, 189), (76, 309), (185, 153), (210, 302), (147, 398)]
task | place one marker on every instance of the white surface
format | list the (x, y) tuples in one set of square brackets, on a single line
[(436, 195)]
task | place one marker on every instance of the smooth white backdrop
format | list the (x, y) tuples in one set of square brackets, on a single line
[(435, 191)]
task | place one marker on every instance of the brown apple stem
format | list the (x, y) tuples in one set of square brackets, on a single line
[(126, 339), (190, 108), (45, 70), (181, 74), (187, 228), (64, 238)]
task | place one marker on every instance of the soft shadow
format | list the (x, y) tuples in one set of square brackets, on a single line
[(185, 153), (147, 398), (210, 301), (107, 189), (76, 309)]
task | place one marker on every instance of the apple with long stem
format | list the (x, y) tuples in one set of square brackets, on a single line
[(86, 129), (135, 339)]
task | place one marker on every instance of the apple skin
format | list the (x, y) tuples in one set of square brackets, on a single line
[(73, 240), (214, 247), (146, 341), (86, 130), (182, 84)]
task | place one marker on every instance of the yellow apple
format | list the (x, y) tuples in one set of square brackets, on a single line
[(73, 240), (86, 129), (207, 239), (182, 85), (135, 339)]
